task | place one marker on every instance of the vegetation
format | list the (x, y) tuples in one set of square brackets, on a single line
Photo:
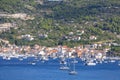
[(115, 51), (99, 18)]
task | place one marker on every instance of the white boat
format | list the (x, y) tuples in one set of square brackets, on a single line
[(112, 61), (119, 64), (25, 57), (45, 58), (90, 63), (83, 59), (75, 61), (63, 62), (33, 63), (8, 58), (64, 68), (105, 61), (72, 72), (4, 57)]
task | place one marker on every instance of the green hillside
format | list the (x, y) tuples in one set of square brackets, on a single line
[(71, 22)]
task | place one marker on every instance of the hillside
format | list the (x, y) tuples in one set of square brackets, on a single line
[(49, 23)]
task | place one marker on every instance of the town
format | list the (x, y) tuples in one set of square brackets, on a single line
[(93, 52)]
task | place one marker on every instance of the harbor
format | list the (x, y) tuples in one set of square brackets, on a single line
[(50, 70), (66, 56), (62, 63)]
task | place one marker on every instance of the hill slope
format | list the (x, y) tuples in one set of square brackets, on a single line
[(50, 23)]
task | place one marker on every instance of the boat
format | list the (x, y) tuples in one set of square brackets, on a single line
[(8, 58), (119, 64), (75, 61), (63, 62), (90, 63), (45, 58), (33, 63), (64, 68), (73, 72), (105, 61), (4, 57), (112, 61), (25, 57)]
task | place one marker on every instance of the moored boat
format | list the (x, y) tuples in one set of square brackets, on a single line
[(72, 72), (64, 68)]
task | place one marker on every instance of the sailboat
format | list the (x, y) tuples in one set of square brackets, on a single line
[(119, 63), (73, 72), (63, 62)]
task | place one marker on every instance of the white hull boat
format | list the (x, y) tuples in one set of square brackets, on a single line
[(72, 72)]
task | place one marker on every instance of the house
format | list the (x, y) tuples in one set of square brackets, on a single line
[(71, 33), (27, 37), (92, 37)]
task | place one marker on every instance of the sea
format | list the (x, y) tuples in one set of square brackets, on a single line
[(16, 69)]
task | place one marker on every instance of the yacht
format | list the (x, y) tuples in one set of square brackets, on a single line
[(75, 61), (112, 61), (105, 61), (33, 63), (63, 62), (119, 64), (90, 63), (73, 72), (45, 58), (7, 58), (64, 68), (4, 57)]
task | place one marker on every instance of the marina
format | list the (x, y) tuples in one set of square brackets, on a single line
[(49, 70), (57, 63)]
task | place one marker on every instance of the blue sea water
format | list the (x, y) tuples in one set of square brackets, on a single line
[(49, 70)]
